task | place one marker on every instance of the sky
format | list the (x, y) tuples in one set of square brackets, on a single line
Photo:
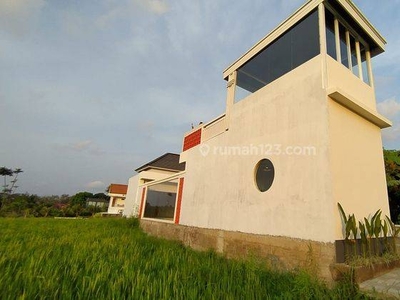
[(91, 90)]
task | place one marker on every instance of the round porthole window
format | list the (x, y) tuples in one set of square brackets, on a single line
[(264, 174)]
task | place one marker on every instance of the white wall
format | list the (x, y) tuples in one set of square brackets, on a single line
[(294, 110), (117, 204), (219, 190), (132, 201), (131, 207), (358, 174)]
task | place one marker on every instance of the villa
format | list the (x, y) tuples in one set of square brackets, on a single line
[(117, 194), (300, 134)]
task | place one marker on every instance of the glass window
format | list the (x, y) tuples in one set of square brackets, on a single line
[(330, 34), (343, 46), (264, 175), (364, 64), (305, 40), (160, 201), (280, 57), (354, 61), (349, 44), (295, 47)]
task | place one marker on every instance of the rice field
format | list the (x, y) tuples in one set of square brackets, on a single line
[(113, 259)]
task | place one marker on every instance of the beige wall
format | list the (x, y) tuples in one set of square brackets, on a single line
[(294, 110), (219, 189), (340, 76), (356, 159)]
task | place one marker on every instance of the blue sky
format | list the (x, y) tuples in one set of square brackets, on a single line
[(90, 90)]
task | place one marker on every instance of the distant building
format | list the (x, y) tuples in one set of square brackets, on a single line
[(162, 167), (117, 194), (97, 202)]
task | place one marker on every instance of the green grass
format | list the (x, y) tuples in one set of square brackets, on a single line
[(113, 259)]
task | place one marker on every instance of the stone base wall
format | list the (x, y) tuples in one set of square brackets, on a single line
[(280, 252)]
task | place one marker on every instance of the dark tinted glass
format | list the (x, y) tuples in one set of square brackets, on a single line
[(280, 57), (364, 64), (330, 34), (305, 40), (292, 49), (343, 46), (160, 204), (265, 174), (354, 61)]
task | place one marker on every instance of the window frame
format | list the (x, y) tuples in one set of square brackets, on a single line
[(149, 186), (339, 22)]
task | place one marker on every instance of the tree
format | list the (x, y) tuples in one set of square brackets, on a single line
[(392, 167), (101, 196), (6, 172), (14, 181), (80, 198)]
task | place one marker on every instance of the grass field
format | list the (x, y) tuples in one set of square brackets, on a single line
[(113, 259)]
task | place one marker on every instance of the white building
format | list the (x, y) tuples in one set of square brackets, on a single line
[(158, 169), (300, 134), (117, 194)]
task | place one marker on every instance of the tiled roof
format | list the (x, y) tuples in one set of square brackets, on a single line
[(169, 161), (118, 188)]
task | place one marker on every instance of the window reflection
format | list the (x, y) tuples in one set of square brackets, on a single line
[(343, 46), (354, 61), (364, 64), (160, 201), (330, 34), (349, 56), (295, 47)]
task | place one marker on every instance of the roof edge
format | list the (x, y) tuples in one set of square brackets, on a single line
[(272, 35), (306, 8), (158, 158)]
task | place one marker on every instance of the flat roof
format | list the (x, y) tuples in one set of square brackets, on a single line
[(347, 7)]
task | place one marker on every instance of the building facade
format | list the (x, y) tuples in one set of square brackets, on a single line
[(160, 169), (117, 194), (299, 135)]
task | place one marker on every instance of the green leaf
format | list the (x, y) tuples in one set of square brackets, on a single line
[(385, 228), (377, 223), (354, 226), (363, 234), (369, 227), (342, 213)]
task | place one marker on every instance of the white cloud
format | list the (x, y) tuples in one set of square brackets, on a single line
[(391, 134), (17, 16), (389, 107), (158, 7), (81, 145), (127, 9), (97, 184), (87, 146)]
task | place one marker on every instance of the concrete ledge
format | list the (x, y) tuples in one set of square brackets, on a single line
[(280, 252), (359, 108)]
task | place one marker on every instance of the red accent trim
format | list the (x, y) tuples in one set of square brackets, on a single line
[(141, 203), (192, 140), (179, 201)]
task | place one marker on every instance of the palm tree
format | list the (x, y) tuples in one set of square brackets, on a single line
[(6, 172), (14, 181)]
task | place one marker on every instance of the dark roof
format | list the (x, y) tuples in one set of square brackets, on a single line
[(118, 188), (168, 161)]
